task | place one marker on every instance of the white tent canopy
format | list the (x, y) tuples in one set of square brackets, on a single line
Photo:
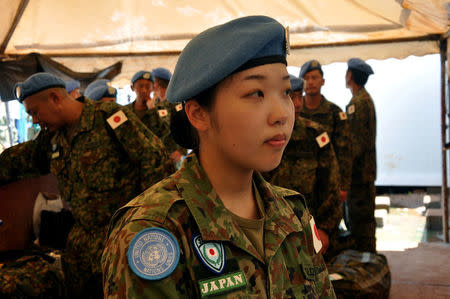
[(146, 34)]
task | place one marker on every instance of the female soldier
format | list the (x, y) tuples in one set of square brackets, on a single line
[(215, 227)]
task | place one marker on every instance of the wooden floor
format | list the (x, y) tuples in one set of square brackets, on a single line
[(421, 272)]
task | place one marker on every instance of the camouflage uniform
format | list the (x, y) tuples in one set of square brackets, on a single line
[(314, 172), (158, 121), (361, 201), (98, 172), (35, 275), (186, 204), (331, 117)]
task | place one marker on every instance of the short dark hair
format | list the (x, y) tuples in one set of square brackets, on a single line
[(163, 83), (180, 127), (360, 78)]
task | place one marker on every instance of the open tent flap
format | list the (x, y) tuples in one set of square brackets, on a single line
[(13, 71)]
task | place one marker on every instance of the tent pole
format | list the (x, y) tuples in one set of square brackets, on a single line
[(444, 191), (22, 5)]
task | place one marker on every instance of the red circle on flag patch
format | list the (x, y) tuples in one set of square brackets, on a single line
[(116, 119), (316, 232), (212, 252), (324, 139)]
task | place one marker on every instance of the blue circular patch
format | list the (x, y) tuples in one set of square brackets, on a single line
[(153, 253)]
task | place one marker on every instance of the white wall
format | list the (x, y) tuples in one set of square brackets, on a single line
[(406, 94)]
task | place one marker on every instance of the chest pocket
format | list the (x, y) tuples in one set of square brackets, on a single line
[(98, 169)]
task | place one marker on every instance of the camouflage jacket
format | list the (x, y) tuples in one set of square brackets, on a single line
[(310, 167), (101, 169), (334, 120), (362, 119), (158, 121), (185, 204)]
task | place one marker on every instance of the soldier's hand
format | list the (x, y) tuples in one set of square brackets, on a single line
[(324, 239), (343, 195)]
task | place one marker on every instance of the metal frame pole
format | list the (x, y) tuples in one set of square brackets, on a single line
[(444, 190)]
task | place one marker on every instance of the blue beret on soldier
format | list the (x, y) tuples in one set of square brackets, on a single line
[(142, 75), (222, 50), (161, 73), (72, 84), (36, 83), (360, 65), (95, 84), (308, 66), (100, 89), (296, 83)]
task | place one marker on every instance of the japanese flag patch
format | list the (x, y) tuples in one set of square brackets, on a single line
[(316, 238), (351, 109), (323, 139), (117, 119), (342, 115), (179, 107), (212, 254), (162, 112)]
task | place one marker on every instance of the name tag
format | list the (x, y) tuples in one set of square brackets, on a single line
[(222, 284)]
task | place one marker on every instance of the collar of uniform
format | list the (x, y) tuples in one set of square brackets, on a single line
[(280, 216), (85, 123), (208, 210), (87, 116), (361, 92), (215, 221), (324, 108)]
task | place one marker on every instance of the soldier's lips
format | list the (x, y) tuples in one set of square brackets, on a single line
[(278, 140)]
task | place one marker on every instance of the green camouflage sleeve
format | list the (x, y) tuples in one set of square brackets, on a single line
[(25, 160), (364, 127), (320, 275), (342, 144), (144, 149), (329, 212), (119, 281)]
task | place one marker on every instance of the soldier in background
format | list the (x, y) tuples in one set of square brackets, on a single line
[(73, 88), (362, 119), (317, 108), (101, 90), (165, 109), (142, 85), (102, 156), (309, 166)]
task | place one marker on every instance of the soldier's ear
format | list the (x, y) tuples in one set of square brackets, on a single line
[(197, 115), (132, 87)]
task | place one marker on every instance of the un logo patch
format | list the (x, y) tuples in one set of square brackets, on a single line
[(153, 253)]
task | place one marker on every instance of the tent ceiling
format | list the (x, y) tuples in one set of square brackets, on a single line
[(153, 30)]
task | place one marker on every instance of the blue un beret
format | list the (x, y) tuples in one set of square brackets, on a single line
[(94, 84), (36, 83), (100, 89), (72, 84), (142, 75), (360, 65), (309, 66), (161, 73), (222, 50), (296, 83)]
